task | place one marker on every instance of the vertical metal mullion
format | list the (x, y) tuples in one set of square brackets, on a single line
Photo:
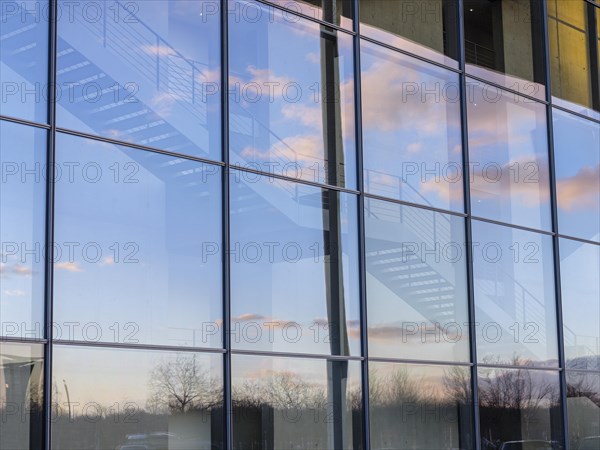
[(468, 223), (555, 237), (227, 407), (49, 232), (362, 266), (592, 38)]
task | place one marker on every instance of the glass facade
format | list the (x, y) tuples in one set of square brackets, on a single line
[(303, 224)]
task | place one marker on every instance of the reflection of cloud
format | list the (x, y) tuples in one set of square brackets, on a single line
[(249, 317), (523, 180), (14, 293), (415, 332), (301, 149), (15, 269), (308, 115), (313, 58), (413, 148), (392, 92), (160, 50), (580, 191), (68, 266)]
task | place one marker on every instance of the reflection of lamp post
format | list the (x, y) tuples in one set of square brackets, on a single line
[(68, 398)]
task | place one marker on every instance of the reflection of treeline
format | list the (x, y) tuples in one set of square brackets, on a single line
[(183, 399), (428, 411), (518, 404), (284, 410)]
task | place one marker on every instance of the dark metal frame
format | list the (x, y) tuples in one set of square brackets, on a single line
[(226, 350)]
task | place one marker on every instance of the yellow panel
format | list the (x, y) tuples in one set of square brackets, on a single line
[(572, 11), (574, 73)]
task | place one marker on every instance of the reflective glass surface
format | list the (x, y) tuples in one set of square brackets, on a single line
[(24, 49), (138, 239), (503, 43), (519, 409), (577, 168), (515, 310), (133, 399), (425, 27), (508, 157), (338, 12), (419, 407), (143, 72), (285, 403), (22, 230), (570, 47), (583, 410), (416, 283), (21, 395), (580, 285), (291, 98), (294, 267), (411, 129)]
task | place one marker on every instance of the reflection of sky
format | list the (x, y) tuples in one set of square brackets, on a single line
[(402, 286), (22, 225), (508, 153), (312, 371), (288, 282), (514, 284), (276, 100), (579, 269), (155, 233), (411, 129), (577, 156)]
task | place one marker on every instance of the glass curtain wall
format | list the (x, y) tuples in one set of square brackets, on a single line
[(269, 224)]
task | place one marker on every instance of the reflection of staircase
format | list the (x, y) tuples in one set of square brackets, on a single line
[(425, 285)]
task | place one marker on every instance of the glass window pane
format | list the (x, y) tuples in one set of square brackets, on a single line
[(508, 156), (142, 72), (580, 285), (22, 230), (292, 99), (583, 409), (285, 403), (426, 27), (411, 129), (24, 59), (577, 167), (136, 399), (503, 44), (21, 395), (338, 12), (420, 407), (294, 267), (139, 236), (416, 283), (519, 409), (570, 65), (515, 309)]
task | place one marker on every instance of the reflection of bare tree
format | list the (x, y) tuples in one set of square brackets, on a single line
[(282, 390), (181, 385), (583, 385), (518, 403), (393, 388), (457, 384), (516, 389)]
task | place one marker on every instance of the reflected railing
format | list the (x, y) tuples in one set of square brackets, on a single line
[(479, 55), (153, 57), (423, 225)]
